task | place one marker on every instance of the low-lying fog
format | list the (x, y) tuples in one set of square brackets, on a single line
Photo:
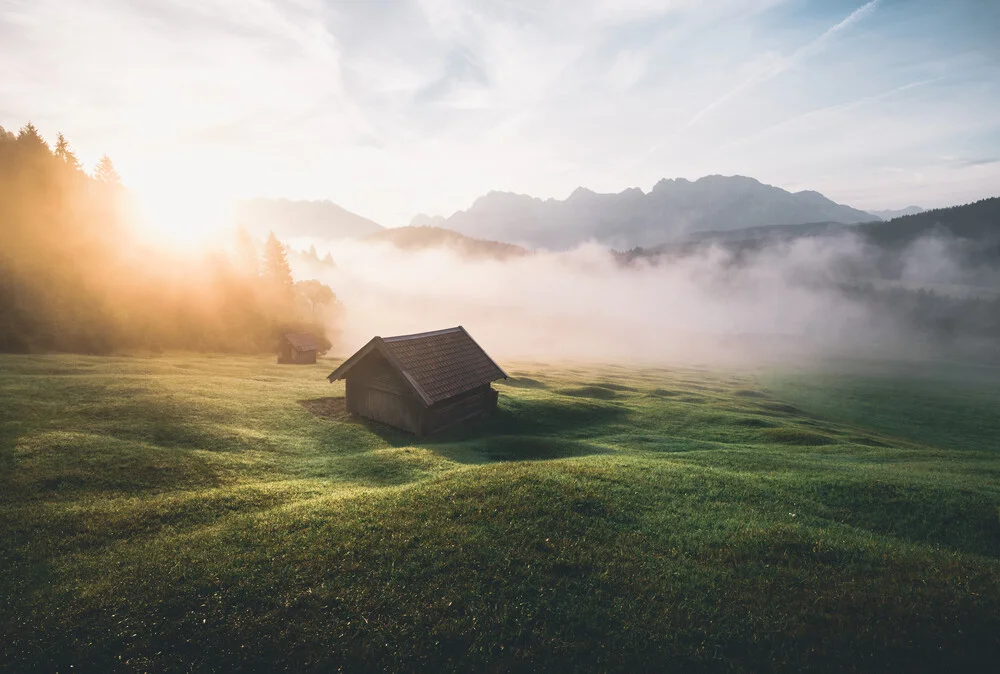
[(783, 301)]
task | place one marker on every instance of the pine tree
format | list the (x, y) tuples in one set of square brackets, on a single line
[(63, 152), (105, 172), (246, 253), (274, 268), (29, 136)]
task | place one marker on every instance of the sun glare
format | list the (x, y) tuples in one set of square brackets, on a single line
[(181, 219)]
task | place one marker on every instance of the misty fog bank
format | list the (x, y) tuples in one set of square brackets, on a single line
[(791, 300)]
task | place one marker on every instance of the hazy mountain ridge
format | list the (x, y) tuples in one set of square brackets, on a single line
[(422, 237), (889, 214), (967, 235), (773, 232), (671, 210), (290, 219), (975, 222)]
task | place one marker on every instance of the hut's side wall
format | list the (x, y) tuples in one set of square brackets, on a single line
[(289, 355), (478, 402), (375, 391), (389, 408)]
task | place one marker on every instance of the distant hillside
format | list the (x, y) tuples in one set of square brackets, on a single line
[(972, 233), (890, 214), (671, 210), (773, 232), (978, 222), (736, 240), (418, 238), (291, 219)]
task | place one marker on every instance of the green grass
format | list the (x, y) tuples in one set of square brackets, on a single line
[(221, 513)]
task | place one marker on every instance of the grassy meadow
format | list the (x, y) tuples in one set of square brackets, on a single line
[(222, 513)]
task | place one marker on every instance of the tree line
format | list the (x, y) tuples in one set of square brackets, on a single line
[(74, 276)]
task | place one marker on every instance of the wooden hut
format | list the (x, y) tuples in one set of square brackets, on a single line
[(298, 348), (420, 383)]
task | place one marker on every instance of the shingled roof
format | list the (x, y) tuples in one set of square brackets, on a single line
[(438, 365), (302, 341)]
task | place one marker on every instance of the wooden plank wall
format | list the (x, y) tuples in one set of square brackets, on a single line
[(476, 403), (389, 408), (376, 391)]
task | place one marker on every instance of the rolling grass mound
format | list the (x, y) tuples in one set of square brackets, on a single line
[(221, 514), (796, 436), (522, 382), (596, 392)]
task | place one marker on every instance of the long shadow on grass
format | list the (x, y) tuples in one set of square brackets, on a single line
[(521, 429), (59, 463), (162, 421), (523, 382)]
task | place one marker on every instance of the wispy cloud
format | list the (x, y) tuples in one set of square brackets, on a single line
[(778, 65), (406, 106), (825, 116), (978, 161)]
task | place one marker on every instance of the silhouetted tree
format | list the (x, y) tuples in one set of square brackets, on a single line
[(105, 172), (246, 253), (30, 137), (274, 268), (315, 294), (63, 152)]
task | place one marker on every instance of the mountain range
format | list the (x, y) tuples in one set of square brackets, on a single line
[(673, 210), (668, 212), (290, 219), (890, 214)]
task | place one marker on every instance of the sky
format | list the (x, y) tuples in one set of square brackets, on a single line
[(393, 108)]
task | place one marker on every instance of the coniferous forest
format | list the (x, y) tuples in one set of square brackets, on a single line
[(74, 275)]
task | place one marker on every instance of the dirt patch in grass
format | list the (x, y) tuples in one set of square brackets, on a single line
[(663, 393), (334, 409)]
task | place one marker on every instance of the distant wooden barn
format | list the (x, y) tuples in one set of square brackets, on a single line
[(420, 383), (298, 348)]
